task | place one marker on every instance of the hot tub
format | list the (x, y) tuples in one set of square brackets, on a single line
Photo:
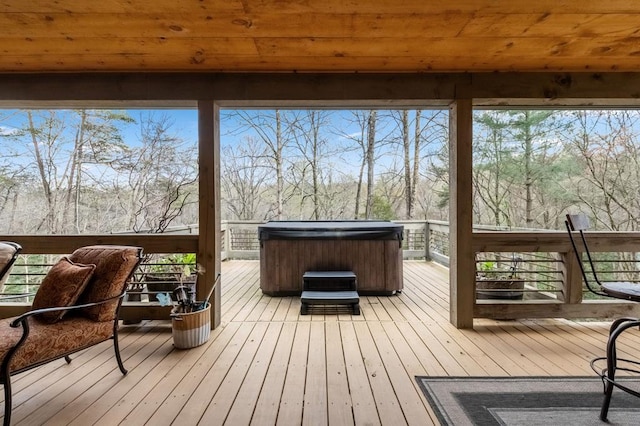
[(371, 249)]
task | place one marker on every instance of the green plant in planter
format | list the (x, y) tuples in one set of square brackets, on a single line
[(170, 272), (495, 283)]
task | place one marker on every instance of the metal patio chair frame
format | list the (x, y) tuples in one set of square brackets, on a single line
[(619, 290)]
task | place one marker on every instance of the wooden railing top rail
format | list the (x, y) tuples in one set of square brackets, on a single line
[(554, 241), (61, 244)]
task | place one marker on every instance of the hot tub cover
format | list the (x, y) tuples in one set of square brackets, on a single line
[(343, 229)]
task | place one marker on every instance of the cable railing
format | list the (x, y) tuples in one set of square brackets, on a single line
[(517, 268)]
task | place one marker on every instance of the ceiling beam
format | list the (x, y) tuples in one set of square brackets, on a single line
[(318, 90)]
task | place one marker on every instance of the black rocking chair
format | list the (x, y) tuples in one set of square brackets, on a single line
[(619, 290)]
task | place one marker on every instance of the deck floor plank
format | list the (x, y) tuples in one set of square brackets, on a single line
[(268, 402), (172, 377), (291, 403), (530, 344), (267, 364), (340, 410), (120, 397), (220, 384), (220, 354), (365, 411), (502, 350), (246, 373), (77, 379), (401, 366), (245, 403), (385, 397), (315, 391)]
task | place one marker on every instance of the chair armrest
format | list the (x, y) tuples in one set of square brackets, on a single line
[(23, 318)]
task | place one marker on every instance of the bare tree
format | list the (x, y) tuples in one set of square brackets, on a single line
[(268, 126), (160, 176), (60, 143), (97, 141), (417, 138), (359, 120), (312, 145), (492, 156), (410, 168), (13, 180), (429, 158), (608, 150), (243, 179)]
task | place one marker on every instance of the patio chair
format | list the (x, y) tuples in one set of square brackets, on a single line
[(9, 252), (619, 290), (75, 307)]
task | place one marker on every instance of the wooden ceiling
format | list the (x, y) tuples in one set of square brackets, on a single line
[(319, 35)]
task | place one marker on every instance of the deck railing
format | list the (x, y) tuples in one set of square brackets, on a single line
[(39, 252), (240, 240), (539, 264), (542, 263)]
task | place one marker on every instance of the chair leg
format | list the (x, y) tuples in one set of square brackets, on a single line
[(116, 348), (604, 411), (7, 401), (617, 327), (68, 359), (118, 358)]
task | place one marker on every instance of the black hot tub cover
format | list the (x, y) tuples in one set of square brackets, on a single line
[(344, 229)]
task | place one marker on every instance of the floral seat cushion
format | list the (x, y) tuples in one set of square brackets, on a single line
[(49, 341)]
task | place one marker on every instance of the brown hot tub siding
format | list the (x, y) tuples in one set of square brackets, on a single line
[(377, 263)]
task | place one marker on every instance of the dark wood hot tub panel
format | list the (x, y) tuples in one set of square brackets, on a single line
[(376, 262)]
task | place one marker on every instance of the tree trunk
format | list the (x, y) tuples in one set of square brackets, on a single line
[(528, 182), (371, 139), (359, 187), (406, 144), (417, 140), (362, 122), (279, 174), (314, 165), (14, 209), (44, 180), (75, 174)]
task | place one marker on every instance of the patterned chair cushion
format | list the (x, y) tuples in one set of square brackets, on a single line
[(62, 286), (114, 265), (49, 341)]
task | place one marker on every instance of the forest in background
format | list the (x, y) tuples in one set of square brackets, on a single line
[(102, 171)]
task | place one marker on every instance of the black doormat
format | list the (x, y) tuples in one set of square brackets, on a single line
[(525, 401)]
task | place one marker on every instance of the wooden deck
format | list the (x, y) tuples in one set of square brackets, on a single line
[(268, 365)]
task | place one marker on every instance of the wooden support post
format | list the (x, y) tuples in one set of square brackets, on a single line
[(226, 252), (209, 214), (571, 279), (462, 267), (427, 241)]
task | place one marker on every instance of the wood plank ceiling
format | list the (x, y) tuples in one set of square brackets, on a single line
[(319, 36)]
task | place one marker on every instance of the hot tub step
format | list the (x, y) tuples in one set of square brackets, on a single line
[(329, 288)]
